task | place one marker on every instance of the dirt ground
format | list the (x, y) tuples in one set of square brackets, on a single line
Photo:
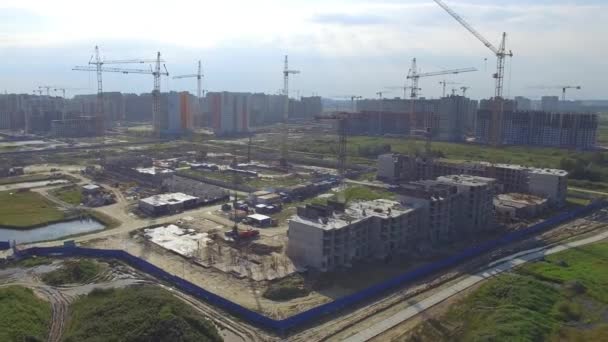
[(245, 292), (359, 319)]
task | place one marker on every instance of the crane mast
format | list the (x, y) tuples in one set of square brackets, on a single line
[(415, 76), (156, 72), (284, 133), (500, 52)]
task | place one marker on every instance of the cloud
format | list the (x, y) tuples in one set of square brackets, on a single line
[(349, 20)]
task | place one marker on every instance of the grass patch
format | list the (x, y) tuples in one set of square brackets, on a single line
[(26, 209), (70, 194), (564, 297), (73, 272), (577, 201), (142, 313), (589, 185), (23, 316), (34, 261), (287, 289)]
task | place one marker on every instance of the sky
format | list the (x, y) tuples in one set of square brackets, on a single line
[(342, 48)]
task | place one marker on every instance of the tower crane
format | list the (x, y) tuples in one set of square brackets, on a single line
[(199, 87), (47, 88), (63, 90), (415, 76), (500, 52), (354, 98), (501, 56), (199, 77), (564, 88), (445, 83), (284, 133), (464, 90), (404, 88), (342, 120), (154, 71)]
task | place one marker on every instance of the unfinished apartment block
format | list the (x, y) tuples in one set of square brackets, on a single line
[(326, 237), (475, 211), (438, 205)]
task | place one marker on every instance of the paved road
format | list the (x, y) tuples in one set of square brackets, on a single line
[(495, 268)]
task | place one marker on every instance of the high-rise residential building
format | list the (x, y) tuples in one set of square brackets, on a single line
[(327, 237), (572, 130), (523, 103), (448, 119), (550, 104), (229, 112), (455, 118), (177, 113), (12, 111)]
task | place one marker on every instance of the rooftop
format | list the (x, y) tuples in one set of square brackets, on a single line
[(466, 180), (356, 212), (520, 200), (259, 217), (165, 199), (90, 187), (153, 170)]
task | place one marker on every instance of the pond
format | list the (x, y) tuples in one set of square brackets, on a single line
[(51, 231), (29, 185)]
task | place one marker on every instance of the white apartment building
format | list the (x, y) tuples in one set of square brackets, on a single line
[(322, 238)]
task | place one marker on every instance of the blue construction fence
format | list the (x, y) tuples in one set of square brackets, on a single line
[(4, 245), (310, 316)]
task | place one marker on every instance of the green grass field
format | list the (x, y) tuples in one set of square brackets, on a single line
[(532, 156), (26, 209), (142, 313), (69, 194), (562, 298), (23, 316)]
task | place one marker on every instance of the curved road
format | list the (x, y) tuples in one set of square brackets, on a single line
[(494, 269)]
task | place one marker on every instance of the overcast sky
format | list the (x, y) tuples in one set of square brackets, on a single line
[(341, 47)]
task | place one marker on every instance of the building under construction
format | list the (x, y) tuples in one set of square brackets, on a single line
[(548, 183), (450, 118), (571, 130)]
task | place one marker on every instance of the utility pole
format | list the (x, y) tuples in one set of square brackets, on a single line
[(284, 133)]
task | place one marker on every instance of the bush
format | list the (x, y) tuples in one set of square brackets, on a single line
[(568, 311), (72, 272), (287, 289), (138, 313)]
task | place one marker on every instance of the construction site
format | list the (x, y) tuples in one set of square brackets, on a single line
[(281, 218)]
